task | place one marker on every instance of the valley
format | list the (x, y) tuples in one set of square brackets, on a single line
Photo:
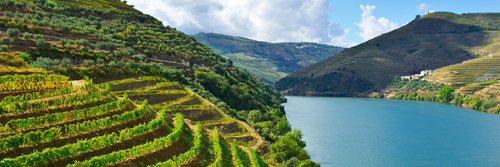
[(268, 61)]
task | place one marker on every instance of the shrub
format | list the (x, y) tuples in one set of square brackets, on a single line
[(24, 56), (13, 32), (88, 62), (446, 93), (27, 35), (40, 42), (308, 163), (140, 57), (4, 47), (289, 146), (20, 4)]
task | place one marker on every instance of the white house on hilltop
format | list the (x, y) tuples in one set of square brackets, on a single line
[(416, 76)]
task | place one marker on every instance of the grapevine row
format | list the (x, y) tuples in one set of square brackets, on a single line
[(179, 100), (114, 157), (49, 119), (49, 93), (256, 160), (185, 157), (144, 91), (143, 78), (221, 150), (32, 82), (50, 154), (240, 158), (18, 107), (35, 137)]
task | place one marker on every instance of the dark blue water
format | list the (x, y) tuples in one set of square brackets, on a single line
[(377, 132)]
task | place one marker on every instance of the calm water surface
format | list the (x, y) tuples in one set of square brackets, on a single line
[(377, 132)]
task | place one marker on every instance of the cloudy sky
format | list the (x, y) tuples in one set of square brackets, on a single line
[(336, 22)]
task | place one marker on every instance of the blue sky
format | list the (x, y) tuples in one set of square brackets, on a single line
[(336, 22)]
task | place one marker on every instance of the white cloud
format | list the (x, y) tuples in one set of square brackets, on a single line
[(266, 20), (338, 37), (422, 7), (370, 26)]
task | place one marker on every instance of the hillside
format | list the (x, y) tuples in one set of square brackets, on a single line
[(269, 61), (98, 83), (429, 42)]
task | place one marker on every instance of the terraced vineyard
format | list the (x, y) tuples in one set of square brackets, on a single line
[(470, 76), (146, 121), (97, 82)]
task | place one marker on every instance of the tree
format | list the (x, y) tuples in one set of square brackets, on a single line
[(254, 116), (40, 42), (289, 146), (282, 126), (140, 57), (4, 47), (24, 56), (13, 34), (445, 93), (308, 163)]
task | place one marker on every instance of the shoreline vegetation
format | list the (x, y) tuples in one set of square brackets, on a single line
[(422, 90)]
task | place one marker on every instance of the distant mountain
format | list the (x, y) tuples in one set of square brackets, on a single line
[(430, 42), (269, 61)]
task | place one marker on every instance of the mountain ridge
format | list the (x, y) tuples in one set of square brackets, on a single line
[(428, 42), (269, 61)]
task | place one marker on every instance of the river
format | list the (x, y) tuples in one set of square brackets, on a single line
[(380, 132)]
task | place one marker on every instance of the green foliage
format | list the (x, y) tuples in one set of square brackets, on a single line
[(288, 146), (25, 56), (49, 93), (446, 93), (10, 59), (33, 106), (4, 47), (13, 33), (40, 42), (51, 154), (185, 157), (222, 151), (50, 119), (307, 163), (240, 157), (50, 64), (256, 160), (178, 131), (35, 137), (402, 85), (268, 61), (104, 39), (426, 91), (32, 82)]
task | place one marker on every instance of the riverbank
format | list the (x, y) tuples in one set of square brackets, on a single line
[(421, 90)]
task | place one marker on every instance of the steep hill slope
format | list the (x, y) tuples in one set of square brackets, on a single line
[(428, 42), (269, 61), (75, 74)]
